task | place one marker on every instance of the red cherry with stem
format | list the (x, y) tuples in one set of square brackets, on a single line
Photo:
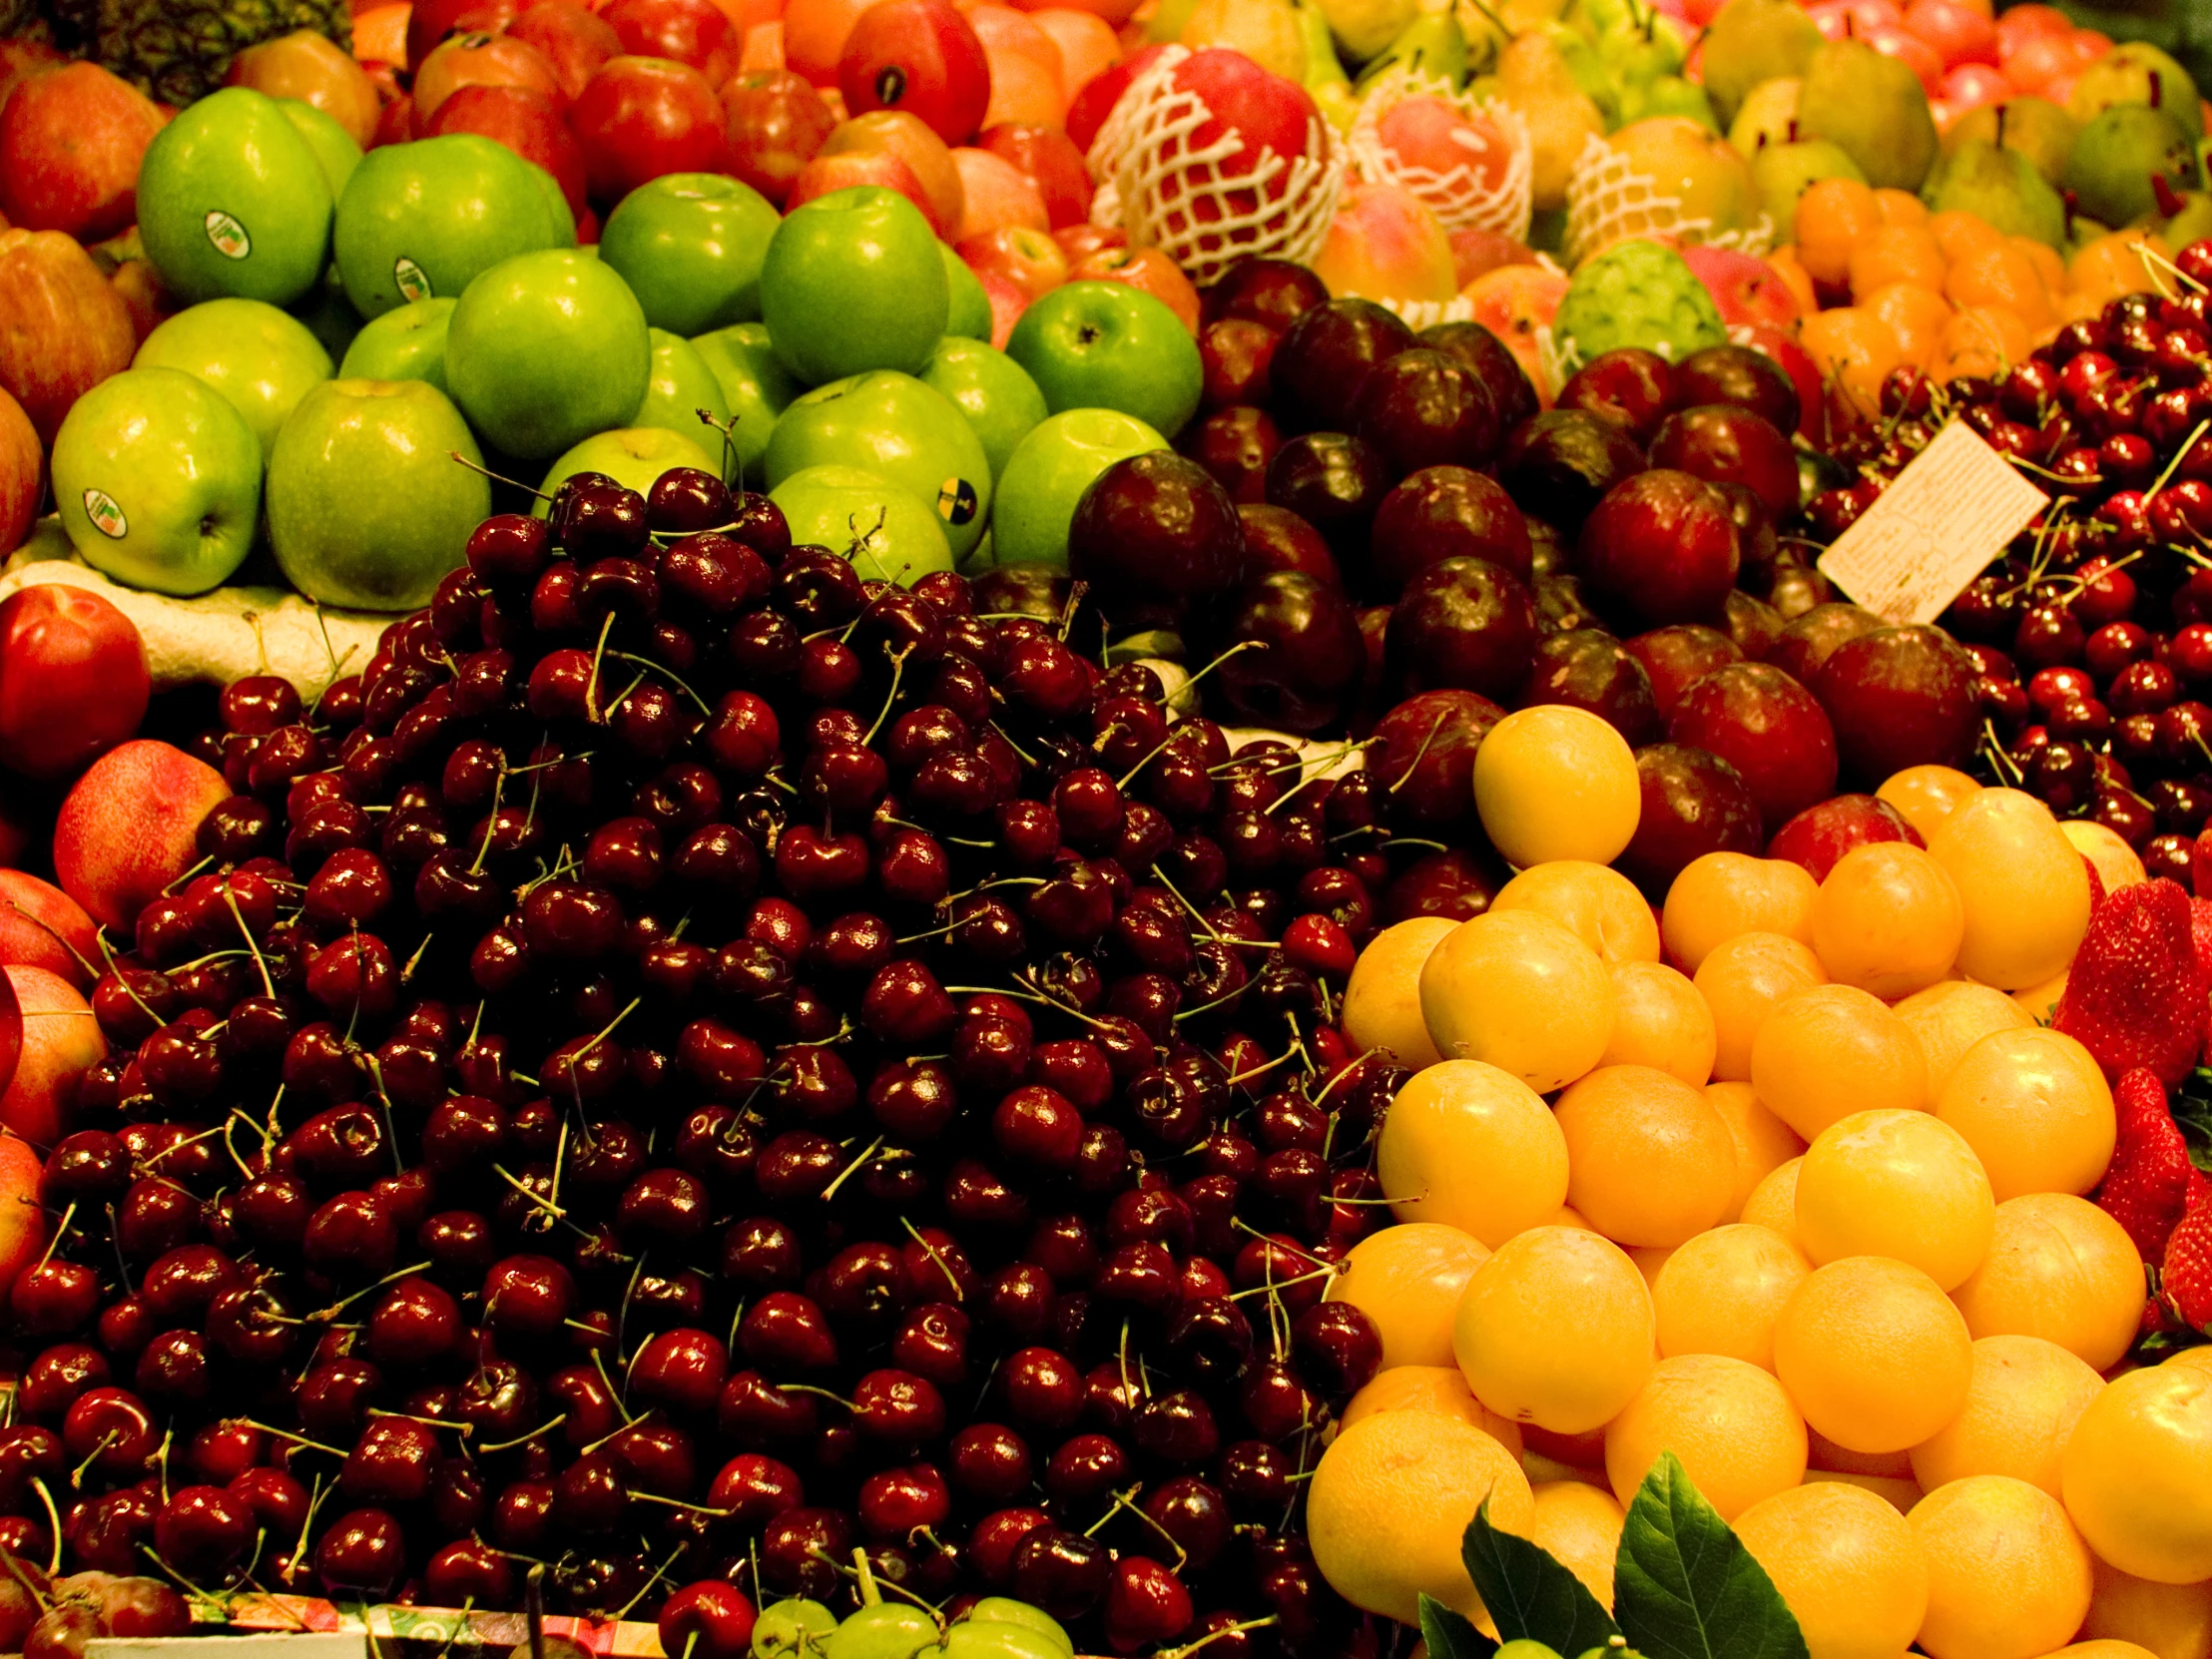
[(711, 1619)]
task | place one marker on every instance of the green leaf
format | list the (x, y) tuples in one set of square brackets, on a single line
[(1449, 1635), (1684, 1586), (1529, 1592)]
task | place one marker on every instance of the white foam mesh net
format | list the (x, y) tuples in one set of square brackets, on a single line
[(1459, 197), (1607, 199), (1152, 179)]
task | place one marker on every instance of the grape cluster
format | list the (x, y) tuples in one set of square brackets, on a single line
[(693, 1064)]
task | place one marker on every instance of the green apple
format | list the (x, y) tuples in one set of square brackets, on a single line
[(368, 506), (996, 394), (633, 456), (1107, 345), (546, 348), (691, 244), (969, 314), (257, 357), (159, 480), (332, 144), (885, 530), (424, 218), (407, 343), (892, 425), (756, 387), (327, 314), (853, 282), (232, 200), (680, 387), (1047, 475)]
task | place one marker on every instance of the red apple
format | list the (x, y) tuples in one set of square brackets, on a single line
[(1272, 122), (70, 145), (73, 680), (1049, 157), (432, 20), (61, 1042), (571, 38), (697, 33), (921, 56), (1820, 835), (129, 826), (21, 57), (525, 121), (313, 68), (815, 33), (145, 297), (1661, 548), (1080, 241), (22, 474), (774, 122), (1029, 260), (63, 330), (42, 926), (477, 59), (641, 117)]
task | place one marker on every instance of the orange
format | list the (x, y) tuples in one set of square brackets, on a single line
[(1833, 219), (1916, 314), (1854, 347), (1897, 254)]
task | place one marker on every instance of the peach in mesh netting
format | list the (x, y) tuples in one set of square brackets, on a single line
[(1165, 184), (1461, 196)]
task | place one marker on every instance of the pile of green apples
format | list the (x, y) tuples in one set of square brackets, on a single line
[(372, 341)]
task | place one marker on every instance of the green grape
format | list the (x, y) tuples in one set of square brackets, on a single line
[(1007, 1610), (995, 1641), (886, 1631), (794, 1629), (1526, 1649)]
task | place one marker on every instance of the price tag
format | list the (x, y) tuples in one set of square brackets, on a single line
[(1935, 529)]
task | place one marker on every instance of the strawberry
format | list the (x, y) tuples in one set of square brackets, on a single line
[(2200, 932), (2135, 995), (2185, 1273), (2147, 1185)]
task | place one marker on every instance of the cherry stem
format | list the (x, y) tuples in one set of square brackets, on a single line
[(1274, 1284), (497, 478), (1213, 1636), (60, 1228), (77, 1475), (869, 1595), (53, 1561), (509, 1445), (2180, 455), (268, 985), (930, 1250), (337, 1308), (899, 670), (591, 686)]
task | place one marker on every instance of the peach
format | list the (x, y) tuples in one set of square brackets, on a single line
[(1087, 43), (11, 1033), (1433, 132), (897, 133), (996, 194), (22, 1221), (41, 926), (479, 61), (1514, 301), (1147, 268), (61, 1042), (314, 69), (1477, 252), (73, 679), (1384, 243), (128, 827)]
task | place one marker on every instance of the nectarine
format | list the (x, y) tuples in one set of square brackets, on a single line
[(73, 680), (42, 926), (128, 827), (61, 1042)]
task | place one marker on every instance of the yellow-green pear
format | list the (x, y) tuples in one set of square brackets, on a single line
[(1752, 41), (1873, 108), (1265, 31), (1999, 187), (2035, 127), (2138, 73), (1535, 79), (1364, 27), (1765, 116)]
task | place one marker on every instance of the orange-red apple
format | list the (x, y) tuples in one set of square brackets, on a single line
[(63, 330)]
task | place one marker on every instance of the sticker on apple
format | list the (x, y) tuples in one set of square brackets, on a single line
[(227, 236), (412, 281), (957, 501), (106, 514)]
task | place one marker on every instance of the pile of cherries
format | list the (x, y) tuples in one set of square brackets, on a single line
[(1426, 549), (693, 1064), (2092, 637)]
